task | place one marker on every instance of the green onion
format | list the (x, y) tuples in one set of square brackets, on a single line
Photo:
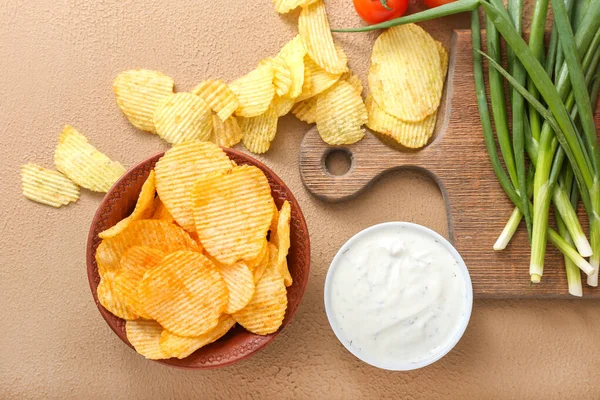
[(536, 43)]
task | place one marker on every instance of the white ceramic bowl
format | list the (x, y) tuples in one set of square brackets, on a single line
[(400, 365)]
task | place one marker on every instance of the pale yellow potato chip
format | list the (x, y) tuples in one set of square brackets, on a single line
[(254, 91), (46, 186), (160, 211), (83, 163), (109, 298), (179, 169), (293, 53), (316, 79), (259, 131), (354, 80), (285, 6), (139, 92), (282, 76), (443, 58), (283, 105), (183, 117), (144, 336), (240, 285), (181, 347), (405, 78), (340, 115), (233, 210), (144, 208), (306, 110), (159, 235), (265, 312), (314, 29), (218, 96), (226, 133), (281, 239), (185, 293)]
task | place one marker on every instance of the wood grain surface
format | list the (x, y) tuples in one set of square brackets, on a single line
[(476, 206)]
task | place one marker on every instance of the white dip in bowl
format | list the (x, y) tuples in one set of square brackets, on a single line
[(398, 296)]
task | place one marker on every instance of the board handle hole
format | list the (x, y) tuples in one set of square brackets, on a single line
[(337, 162)]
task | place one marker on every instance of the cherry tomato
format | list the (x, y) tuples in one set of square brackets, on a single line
[(375, 11), (437, 3)]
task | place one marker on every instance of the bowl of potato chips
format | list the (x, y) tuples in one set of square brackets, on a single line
[(198, 257)]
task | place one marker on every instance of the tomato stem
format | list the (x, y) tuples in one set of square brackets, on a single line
[(385, 5)]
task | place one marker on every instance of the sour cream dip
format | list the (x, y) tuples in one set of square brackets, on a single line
[(398, 296)]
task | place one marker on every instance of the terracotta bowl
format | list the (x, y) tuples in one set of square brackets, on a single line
[(238, 343)]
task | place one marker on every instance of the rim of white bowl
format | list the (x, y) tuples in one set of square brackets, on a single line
[(401, 365)]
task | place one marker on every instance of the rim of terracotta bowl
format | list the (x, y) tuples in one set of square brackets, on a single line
[(237, 344)]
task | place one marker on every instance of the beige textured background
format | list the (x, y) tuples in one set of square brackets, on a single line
[(57, 62)]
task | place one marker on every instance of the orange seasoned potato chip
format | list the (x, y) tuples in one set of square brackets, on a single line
[(109, 298), (181, 347), (160, 212), (185, 293), (254, 91), (226, 133), (265, 312), (157, 234), (281, 239), (47, 186), (233, 210), (240, 285), (260, 257), (143, 208), (269, 259), (144, 336), (183, 117), (260, 131), (219, 97), (179, 169)]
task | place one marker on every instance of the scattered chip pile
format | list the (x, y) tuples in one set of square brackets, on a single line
[(309, 75), (406, 79), (204, 248)]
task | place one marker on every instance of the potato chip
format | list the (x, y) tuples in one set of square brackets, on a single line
[(226, 133), (270, 259), (340, 115), (183, 117), (317, 78), (405, 77), (314, 29), (413, 135), (218, 96), (293, 53), (194, 236), (283, 105), (159, 235), (139, 92), (443, 59), (285, 6), (260, 257), (179, 169), (306, 110), (185, 293), (354, 80), (144, 336), (265, 312), (161, 212), (134, 264), (110, 300), (240, 285), (274, 221), (144, 209), (282, 76), (254, 91), (281, 239), (233, 210), (83, 163), (47, 186), (181, 347), (259, 131)]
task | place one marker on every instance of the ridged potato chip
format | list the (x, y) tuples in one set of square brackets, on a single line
[(274, 221), (354, 80), (260, 257), (283, 105), (134, 264), (233, 210), (240, 285), (293, 53), (314, 29), (306, 110), (181, 347), (48, 187), (226, 133), (218, 96), (340, 115), (83, 163), (259, 131), (281, 239), (265, 312), (144, 209), (443, 59), (285, 6), (110, 300), (185, 293), (183, 117), (139, 92), (282, 76), (161, 212), (317, 79), (144, 336), (157, 234), (179, 169), (269, 259), (405, 77), (254, 91)]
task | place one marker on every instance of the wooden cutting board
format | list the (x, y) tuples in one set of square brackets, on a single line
[(456, 159)]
